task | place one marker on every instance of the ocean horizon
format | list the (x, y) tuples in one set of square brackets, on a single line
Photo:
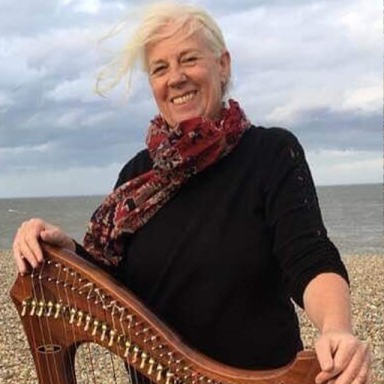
[(353, 215)]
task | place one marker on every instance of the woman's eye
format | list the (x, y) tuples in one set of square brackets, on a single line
[(190, 60), (158, 70)]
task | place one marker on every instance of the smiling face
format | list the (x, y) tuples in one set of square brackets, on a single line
[(186, 77)]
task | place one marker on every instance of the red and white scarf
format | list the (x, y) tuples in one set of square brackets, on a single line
[(177, 153)]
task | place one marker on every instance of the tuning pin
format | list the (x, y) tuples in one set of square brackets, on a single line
[(159, 370), (58, 307), (40, 310), (33, 307), (127, 348), (169, 378), (112, 334), (104, 329), (151, 365), (24, 308), (95, 326), (136, 351), (80, 316), (49, 309), (88, 319), (72, 317), (144, 358)]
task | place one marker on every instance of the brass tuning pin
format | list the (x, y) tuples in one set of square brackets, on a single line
[(49, 309), (144, 358), (151, 365), (24, 308), (72, 316), (104, 329), (58, 309), (40, 309), (88, 319), (112, 335), (95, 326), (127, 348), (136, 351), (33, 307), (159, 371), (80, 316), (169, 378)]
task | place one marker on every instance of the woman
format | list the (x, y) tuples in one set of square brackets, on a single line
[(216, 225)]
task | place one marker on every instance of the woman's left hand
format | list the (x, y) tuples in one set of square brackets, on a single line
[(343, 358)]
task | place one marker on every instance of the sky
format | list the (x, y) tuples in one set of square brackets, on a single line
[(311, 66)]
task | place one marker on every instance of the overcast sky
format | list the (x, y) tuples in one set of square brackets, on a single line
[(314, 67)]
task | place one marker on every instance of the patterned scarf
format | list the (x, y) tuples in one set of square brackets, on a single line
[(177, 154)]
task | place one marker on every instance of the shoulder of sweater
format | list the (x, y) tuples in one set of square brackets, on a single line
[(137, 165), (273, 133), (273, 137)]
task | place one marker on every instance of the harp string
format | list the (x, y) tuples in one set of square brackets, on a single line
[(125, 337), (90, 305), (73, 291), (117, 324), (35, 302), (43, 301), (100, 296), (130, 363), (114, 328), (90, 313), (62, 302), (38, 366)]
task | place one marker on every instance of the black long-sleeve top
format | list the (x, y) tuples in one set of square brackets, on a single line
[(220, 262)]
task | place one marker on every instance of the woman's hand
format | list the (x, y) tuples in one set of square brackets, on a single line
[(343, 358), (26, 248)]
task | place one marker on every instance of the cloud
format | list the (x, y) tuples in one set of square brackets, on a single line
[(314, 67), (347, 167), (79, 90)]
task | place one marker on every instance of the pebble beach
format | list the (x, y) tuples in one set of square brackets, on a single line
[(367, 286)]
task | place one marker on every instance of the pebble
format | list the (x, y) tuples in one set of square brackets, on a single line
[(16, 364)]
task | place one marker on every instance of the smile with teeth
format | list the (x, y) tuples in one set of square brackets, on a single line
[(184, 99)]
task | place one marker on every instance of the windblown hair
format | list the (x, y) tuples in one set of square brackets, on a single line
[(184, 18)]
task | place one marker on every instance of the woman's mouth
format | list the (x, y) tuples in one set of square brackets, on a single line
[(179, 100)]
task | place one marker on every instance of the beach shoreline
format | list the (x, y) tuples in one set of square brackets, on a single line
[(367, 287)]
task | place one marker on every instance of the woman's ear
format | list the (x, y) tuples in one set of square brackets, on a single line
[(225, 66)]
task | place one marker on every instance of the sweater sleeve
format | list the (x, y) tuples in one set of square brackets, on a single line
[(300, 241), (138, 165)]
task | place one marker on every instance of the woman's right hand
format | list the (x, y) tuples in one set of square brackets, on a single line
[(26, 247)]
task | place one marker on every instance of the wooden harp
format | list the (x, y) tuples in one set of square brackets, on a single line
[(68, 301)]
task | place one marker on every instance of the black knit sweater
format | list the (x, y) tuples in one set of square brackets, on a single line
[(220, 262)]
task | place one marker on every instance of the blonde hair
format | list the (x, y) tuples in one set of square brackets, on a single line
[(174, 16)]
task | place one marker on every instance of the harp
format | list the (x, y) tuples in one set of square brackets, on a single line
[(68, 301)]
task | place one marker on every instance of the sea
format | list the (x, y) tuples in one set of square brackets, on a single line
[(353, 215)]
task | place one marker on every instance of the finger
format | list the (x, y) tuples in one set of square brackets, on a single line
[(27, 238), (323, 349), (357, 370), (19, 260), (345, 352), (34, 246), (28, 254), (364, 374), (21, 250)]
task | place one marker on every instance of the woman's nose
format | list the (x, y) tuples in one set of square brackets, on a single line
[(177, 77)]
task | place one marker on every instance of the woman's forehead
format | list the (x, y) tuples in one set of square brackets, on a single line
[(176, 44)]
